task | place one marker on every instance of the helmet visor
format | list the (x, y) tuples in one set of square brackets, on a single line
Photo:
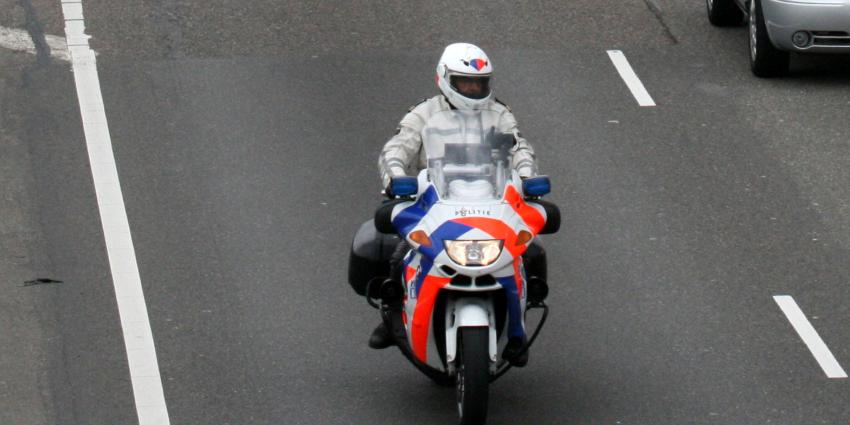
[(471, 87)]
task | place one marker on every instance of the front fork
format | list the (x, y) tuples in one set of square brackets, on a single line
[(480, 312), (469, 312)]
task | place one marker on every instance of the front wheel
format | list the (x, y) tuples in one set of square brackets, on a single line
[(723, 13), (473, 375), (765, 60)]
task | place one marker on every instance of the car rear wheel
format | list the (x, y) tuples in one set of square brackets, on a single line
[(765, 60), (723, 13)]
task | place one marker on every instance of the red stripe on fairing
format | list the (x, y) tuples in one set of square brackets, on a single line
[(422, 315), (532, 218), (518, 277), (408, 273), (496, 229)]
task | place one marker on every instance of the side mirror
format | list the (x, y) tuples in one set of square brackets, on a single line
[(536, 186), (403, 186), (553, 217), (537, 290), (384, 217)]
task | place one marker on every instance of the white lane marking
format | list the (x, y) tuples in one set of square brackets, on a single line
[(138, 338), (816, 345), (20, 41), (632, 81)]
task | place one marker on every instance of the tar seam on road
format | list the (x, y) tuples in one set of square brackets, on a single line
[(132, 309), (36, 33), (659, 15), (40, 281), (810, 336), (630, 78)]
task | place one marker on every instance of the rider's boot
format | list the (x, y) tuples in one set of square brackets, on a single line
[(381, 338), (512, 352)]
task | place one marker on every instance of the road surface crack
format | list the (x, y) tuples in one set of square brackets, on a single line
[(655, 8)]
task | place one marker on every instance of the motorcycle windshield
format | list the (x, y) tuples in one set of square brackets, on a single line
[(468, 158)]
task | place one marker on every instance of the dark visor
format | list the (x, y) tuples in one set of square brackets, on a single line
[(471, 87)]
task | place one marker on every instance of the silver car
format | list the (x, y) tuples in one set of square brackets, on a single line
[(778, 27)]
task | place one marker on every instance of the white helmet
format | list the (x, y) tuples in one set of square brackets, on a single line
[(463, 75)]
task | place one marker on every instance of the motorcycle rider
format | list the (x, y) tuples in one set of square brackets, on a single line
[(464, 74)]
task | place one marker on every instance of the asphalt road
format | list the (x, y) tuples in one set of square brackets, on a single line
[(246, 136)]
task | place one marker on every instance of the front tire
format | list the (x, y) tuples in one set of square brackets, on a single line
[(766, 61), (723, 13), (473, 375)]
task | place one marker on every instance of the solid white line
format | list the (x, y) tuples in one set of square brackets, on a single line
[(816, 345), (138, 338), (20, 40), (632, 81)]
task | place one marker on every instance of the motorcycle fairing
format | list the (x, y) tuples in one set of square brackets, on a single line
[(410, 214), (421, 329), (534, 217), (423, 281), (424, 286)]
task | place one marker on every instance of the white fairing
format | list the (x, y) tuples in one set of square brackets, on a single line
[(469, 312)]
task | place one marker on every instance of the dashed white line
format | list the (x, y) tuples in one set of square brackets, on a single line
[(816, 345), (630, 78), (138, 338)]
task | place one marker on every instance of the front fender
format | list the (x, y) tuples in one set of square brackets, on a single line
[(469, 312)]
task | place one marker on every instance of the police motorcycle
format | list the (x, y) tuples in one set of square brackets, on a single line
[(457, 311)]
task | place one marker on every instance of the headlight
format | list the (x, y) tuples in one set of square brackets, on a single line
[(474, 253)]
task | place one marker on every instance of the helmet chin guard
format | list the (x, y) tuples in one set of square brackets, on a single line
[(469, 61)]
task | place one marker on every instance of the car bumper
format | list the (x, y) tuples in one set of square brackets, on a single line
[(826, 21)]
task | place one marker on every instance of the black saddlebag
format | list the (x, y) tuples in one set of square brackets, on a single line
[(370, 256)]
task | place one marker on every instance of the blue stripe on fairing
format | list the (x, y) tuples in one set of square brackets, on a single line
[(408, 258), (424, 267), (448, 230), (515, 328), (409, 217)]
